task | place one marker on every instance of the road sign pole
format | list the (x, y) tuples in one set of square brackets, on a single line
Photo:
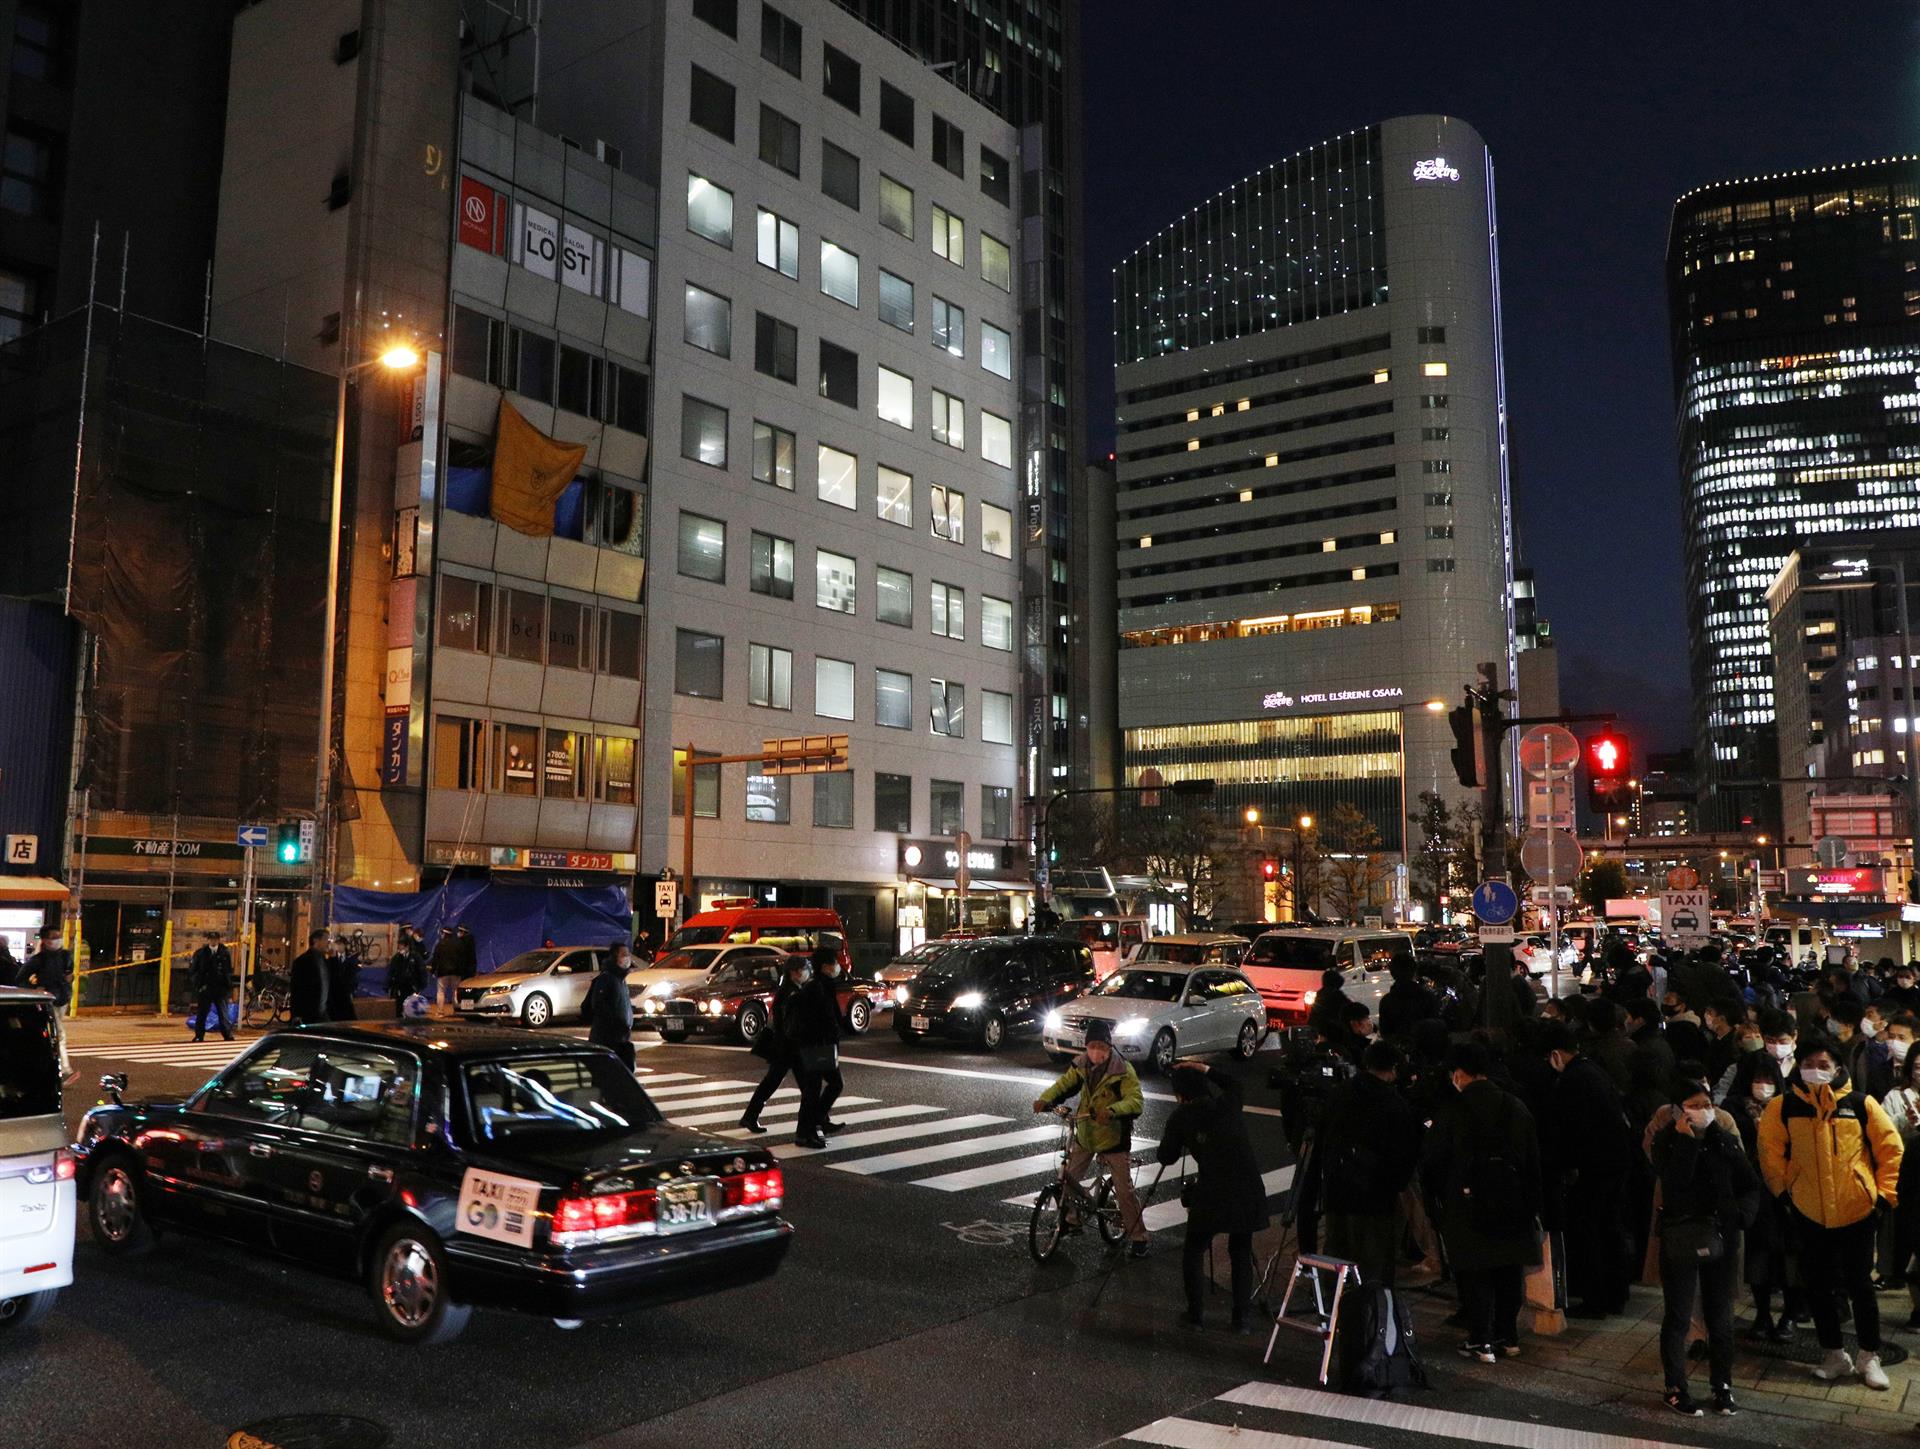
[(1553, 905), (246, 935)]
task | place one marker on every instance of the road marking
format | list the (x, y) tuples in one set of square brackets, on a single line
[(891, 1134), (1192, 1434), (684, 1089), (1173, 1214), (1183, 1168), (736, 1095), (648, 1076), (1443, 1423), (708, 1119), (872, 1114), (1023, 1078), (1038, 1162), (943, 1151)]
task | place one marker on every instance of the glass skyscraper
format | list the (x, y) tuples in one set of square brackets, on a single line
[(1795, 313)]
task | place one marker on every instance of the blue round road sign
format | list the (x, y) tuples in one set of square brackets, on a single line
[(1495, 903)]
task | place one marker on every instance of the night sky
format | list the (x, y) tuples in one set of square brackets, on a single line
[(1598, 117)]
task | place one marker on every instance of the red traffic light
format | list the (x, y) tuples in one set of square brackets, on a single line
[(1270, 869), (1608, 757)]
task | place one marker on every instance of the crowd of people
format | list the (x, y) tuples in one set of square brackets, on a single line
[(1696, 1120)]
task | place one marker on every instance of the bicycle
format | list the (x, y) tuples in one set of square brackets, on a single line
[(268, 1001), (370, 950), (1064, 1198)]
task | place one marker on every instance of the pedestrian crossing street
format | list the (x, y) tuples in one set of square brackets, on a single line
[(1275, 1416)]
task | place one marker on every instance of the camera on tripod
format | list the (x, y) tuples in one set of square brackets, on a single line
[(1306, 1079)]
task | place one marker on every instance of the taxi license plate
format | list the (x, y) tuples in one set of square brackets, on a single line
[(920, 1023), (683, 1207)]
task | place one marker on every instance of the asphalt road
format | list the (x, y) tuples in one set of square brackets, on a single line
[(908, 1313)]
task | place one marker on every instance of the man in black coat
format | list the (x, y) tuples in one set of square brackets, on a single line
[(1226, 1194), (608, 1007), (1364, 1155), (1482, 1163), (211, 977), (50, 969), (1589, 1156), (1407, 1003), (9, 964), (307, 980), (814, 1035), (343, 980), (405, 969), (774, 1046), (470, 953), (447, 969)]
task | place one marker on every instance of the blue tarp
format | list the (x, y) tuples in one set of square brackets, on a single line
[(470, 490), (505, 919)]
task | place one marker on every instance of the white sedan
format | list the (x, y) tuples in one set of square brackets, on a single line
[(1536, 953), (1162, 1013), (674, 973)]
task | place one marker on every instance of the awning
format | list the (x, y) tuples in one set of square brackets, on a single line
[(1835, 913), (17, 888), (976, 886)]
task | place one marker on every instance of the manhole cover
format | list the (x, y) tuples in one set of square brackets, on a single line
[(310, 1431)]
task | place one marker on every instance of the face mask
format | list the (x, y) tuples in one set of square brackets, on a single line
[(833, 970), (1751, 1043), (1669, 1009), (1699, 1118), (1816, 1076), (1868, 1028), (1782, 1050), (1763, 1091), (1899, 1049)]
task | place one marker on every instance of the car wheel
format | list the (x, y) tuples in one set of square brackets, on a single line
[(537, 1012), (1249, 1041), (114, 1209), (412, 1294), (1163, 1052), (859, 1016), (752, 1022), (26, 1310), (993, 1032)]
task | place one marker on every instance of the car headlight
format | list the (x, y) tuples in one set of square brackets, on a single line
[(650, 1005), (715, 1007), (1054, 1022), (1132, 1026), (1309, 998), (497, 990), (660, 988), (969, 1001), (900, 995)]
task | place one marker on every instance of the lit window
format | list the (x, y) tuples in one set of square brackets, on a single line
[(949, 514), (1273, 460), (996, 531), (1246, 495), (1433, 369), (1146, 540), (1193, 415), (1193, 445), (1388, 536), (709, 210), (949, 236), (1359, 574), (1381, 374), (896, 398), (1328, 545), (840, 273), (1218, 409), (1243, 404), (838, 477), (996, 439), (896, 495)]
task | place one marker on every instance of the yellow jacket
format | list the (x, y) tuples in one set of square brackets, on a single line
[(1836, 1153)]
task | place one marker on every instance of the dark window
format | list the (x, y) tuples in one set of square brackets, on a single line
[(771, 571), (703, 432), (780, 40), (833, 800), (26, 174), (947, 799), (580, 386), (893, 803), (698, 664), (1433, 334), (710, 104), (627, 406), (476, 345), (722, 15), (522, 621), (840, 78), (839, 374), (619, 639), (569, 634), (949, 146), (996, 181), (840, 174), (896, 301), (996, 812), (36, 42), (703, 548), (896, 114), (532, 365), (779, 141), (466, 614), (18, 294), (776, 348)]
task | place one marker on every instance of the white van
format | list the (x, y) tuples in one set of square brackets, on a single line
[(36, 1169), (1286, 967)]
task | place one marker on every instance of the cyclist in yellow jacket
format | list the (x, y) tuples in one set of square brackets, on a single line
[(1834, 1155), (1109, 1091)]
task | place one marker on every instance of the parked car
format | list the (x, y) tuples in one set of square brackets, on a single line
[(1286, 966), (1162, 1013), (738, 999), (674, 973), (447, 1167), (36, 1169), (902, 969), (535, 986), (1197, 949), (1536, 952), (982, 991), (788, 928), (1114, 940)]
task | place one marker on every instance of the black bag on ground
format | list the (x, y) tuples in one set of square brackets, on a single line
[(1374, 1348)]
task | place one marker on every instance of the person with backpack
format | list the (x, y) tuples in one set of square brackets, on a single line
[(1708, 1193), (1225, 1194), (1834, 1155), (608, 1007), (1364, 1154), (1482, 1161)]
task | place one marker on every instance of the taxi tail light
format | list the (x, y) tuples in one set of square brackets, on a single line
[(64, 1165), (766, 1188), (611, 1214)]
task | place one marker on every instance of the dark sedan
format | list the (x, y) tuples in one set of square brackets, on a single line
[(447, 1167), (737, 1000), (984, 990)]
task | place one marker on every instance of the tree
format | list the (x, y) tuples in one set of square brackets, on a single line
[(1174, 845), (1604, 879), (1081, 829), (1436, 851), (1355, 869)]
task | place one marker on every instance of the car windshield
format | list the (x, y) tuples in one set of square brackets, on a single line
[(1182, 953), (922, 954), (696, 936), (682, 961), (1143, 985), (1297, 952), (1096, 931), (744, 971), (555, 1095), (29, 1061), (530, 963), (962, 963)]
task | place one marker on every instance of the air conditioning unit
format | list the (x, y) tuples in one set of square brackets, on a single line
[(608, 153)]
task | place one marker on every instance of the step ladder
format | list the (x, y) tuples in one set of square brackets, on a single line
[(1326, 1320)]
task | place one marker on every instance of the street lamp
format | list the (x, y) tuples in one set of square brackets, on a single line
[(1251, 815), (399, 357), (1303, 824)]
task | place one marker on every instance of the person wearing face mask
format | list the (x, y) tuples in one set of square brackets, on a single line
[(1721, 1022), (815, 1035), (1834, 1155), (1707, 1191), (775, 1047), (1868, 1063), (1904, 993), (1685, 1037), (1757, 1080), (1745, 1041)]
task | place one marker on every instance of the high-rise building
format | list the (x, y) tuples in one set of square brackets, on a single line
[(1794, 305), (1313, 518)]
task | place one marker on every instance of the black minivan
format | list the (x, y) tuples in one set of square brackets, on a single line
[(982, 990)]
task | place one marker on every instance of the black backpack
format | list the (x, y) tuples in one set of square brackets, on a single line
[(1375, 1343)]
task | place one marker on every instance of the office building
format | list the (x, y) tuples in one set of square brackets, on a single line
[(1794, 306), (1313, 521)]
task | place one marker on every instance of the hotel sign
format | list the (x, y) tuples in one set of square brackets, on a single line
[(1436, 169), (1280, 699)]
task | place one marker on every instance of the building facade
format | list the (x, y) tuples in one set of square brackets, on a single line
[(1794, 305), (1313, 522)]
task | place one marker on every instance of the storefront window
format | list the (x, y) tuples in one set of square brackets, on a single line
[(613, 769), (516, 749), (561, 777)]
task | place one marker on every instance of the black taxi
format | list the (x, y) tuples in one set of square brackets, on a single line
[(447, 1167)]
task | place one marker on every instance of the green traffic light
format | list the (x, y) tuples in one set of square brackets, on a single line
[(289, 852)]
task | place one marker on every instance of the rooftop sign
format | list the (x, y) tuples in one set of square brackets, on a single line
[(1435, 170)]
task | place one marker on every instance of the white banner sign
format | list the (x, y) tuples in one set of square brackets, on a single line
[(536, 241), (1686, 918), (583, 260)]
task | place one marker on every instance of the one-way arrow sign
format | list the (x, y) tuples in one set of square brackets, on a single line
[(251, 835)]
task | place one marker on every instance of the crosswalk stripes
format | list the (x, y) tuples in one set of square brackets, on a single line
[(213, 1055), (1263, 1415), (944, 1151)]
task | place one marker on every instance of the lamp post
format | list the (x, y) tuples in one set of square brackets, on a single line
[(1301, 825), (398, 358)]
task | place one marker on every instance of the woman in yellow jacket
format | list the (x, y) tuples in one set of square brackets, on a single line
[(1834, 1155)]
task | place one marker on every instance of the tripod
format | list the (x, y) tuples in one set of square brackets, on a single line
[(1289, 1220)]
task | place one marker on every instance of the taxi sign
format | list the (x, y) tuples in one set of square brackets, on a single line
[(1494, 901)]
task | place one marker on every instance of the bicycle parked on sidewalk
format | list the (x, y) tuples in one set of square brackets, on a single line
[(1064, 1203), (268, 998)]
